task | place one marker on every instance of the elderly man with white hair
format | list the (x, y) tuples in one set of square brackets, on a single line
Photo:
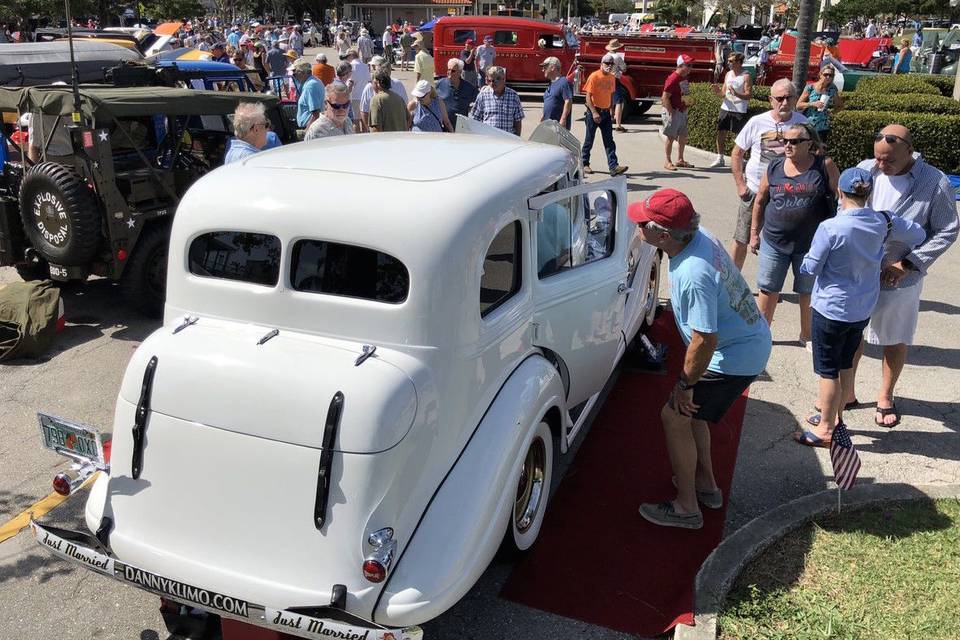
[(558, 98), (763, 137), (456, 91), (323, 71), (334, 120), (497, 104), (377, 63), (365, 46), (250, 127)]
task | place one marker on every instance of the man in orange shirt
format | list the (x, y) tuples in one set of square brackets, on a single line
[(322, 71), (599, 89)]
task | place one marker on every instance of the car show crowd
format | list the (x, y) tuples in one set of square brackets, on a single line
[(859, 242)]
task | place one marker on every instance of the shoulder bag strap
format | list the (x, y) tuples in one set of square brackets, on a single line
[(889, 218)]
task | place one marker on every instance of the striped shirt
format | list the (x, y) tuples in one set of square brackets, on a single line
[(498, 111), (930, 201)]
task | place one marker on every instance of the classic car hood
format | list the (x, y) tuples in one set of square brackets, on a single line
[(216, 374)]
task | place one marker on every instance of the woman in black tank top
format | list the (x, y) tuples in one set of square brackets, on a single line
[(796, 193)]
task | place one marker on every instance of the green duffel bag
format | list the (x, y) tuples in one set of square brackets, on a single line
[(29, 313)]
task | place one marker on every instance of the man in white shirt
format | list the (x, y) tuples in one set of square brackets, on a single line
[(360, 77), (762, 135)]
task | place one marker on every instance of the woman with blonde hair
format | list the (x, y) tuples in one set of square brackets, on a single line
[(796, 193), (818, 98)]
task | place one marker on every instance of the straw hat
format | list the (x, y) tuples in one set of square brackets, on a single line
[(613, 45)]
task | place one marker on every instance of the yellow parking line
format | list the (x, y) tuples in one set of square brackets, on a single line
[(20, 522)]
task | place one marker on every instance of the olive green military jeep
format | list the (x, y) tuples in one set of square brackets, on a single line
[(96, 197)]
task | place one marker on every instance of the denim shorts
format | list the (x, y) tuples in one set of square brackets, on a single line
[(773, 266), (834, 344)]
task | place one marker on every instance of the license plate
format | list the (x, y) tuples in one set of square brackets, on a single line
[(72, 439)]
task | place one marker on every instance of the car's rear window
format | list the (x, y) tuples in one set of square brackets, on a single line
[(236, 255), (338, 269)]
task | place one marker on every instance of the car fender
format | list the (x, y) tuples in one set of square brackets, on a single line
[(464, 523)]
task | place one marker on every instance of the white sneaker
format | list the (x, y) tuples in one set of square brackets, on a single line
[(718, 162)]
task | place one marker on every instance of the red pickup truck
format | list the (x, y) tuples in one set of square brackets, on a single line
[(650, 59), (521, 44)]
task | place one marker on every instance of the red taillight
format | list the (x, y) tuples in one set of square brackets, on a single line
[(61, 484), (121, 254), (374, 571)]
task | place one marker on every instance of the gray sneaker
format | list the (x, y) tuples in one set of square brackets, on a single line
[(710, 498), (664, 515)]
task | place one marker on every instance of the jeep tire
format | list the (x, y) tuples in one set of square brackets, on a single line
[(60, 214), (144, 280)]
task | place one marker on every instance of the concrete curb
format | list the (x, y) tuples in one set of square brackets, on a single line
[(722, 567)]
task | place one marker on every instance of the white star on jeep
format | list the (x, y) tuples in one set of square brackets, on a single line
[(131, 223), (103, 136)]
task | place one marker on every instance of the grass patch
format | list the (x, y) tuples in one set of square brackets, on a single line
[(891, 571)]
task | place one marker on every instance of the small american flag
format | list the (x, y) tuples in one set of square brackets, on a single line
[(843, 455)]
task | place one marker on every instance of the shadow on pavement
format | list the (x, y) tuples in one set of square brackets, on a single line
[(38, 565), (93, 309)]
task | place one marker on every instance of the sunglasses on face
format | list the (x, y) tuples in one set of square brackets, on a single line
[(339, 105), (827, 75), (889, 138), (781, 98), (795, 141)]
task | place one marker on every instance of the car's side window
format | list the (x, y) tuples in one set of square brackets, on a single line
[(460, 36), (575, 231), (236, 255), (501, 276), (505, 38)]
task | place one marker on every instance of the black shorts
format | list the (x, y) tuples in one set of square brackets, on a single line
[(730, 121), (834, 344), (716, 393)]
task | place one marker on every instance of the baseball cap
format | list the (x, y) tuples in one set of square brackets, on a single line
[(469, 41), (855, 180), (667, 207), (684, 59), (421, 89), (608, 57), (552, 60), (488, 37)]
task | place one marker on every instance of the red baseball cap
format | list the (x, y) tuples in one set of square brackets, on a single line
[(683, 58), (667, 207)]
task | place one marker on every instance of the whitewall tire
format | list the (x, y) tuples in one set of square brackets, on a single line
[(532, 489), (653, 291)]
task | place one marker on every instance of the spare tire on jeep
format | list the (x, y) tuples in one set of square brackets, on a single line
[(60, 213)]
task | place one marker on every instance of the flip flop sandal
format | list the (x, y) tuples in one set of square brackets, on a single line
[(621, 129), (669, 166), (810, 439), (814, 420), (887, 411), (684, 164)]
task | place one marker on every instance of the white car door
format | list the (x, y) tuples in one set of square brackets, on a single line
[(579, 276)]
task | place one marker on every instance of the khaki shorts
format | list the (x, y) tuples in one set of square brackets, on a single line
[(673, 126), (744, 219)]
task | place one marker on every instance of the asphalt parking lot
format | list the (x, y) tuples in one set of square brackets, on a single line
[(43, 598)]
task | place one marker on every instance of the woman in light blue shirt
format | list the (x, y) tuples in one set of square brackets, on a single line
[(845, 257)]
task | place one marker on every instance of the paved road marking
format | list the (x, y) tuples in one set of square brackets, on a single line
[(20, 522)]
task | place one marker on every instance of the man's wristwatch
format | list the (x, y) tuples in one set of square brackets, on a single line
[(683, 385)]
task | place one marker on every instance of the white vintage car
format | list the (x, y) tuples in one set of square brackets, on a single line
[(375, 349)]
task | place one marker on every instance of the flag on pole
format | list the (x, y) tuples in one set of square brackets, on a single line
[(843, 455)]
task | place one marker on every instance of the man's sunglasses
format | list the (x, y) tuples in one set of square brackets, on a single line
[(339, 105), (781, 98), (795, 141), (889, 138), (827, 75)]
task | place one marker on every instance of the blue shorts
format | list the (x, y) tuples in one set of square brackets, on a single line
[(834, 344), (619, 93), (773, 266)]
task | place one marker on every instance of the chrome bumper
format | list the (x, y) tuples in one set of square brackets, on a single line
[(304, 622)]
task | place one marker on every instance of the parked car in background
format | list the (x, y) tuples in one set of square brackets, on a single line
[(521, 44), (650, 59), (403, 385)]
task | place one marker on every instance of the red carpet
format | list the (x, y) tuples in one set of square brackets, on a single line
[(596, 559)]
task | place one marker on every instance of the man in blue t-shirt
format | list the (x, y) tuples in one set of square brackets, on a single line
[(558, 98), (312, 94), (728, 344)]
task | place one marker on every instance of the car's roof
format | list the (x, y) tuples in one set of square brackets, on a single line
[(398, 156), (499, 21)]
